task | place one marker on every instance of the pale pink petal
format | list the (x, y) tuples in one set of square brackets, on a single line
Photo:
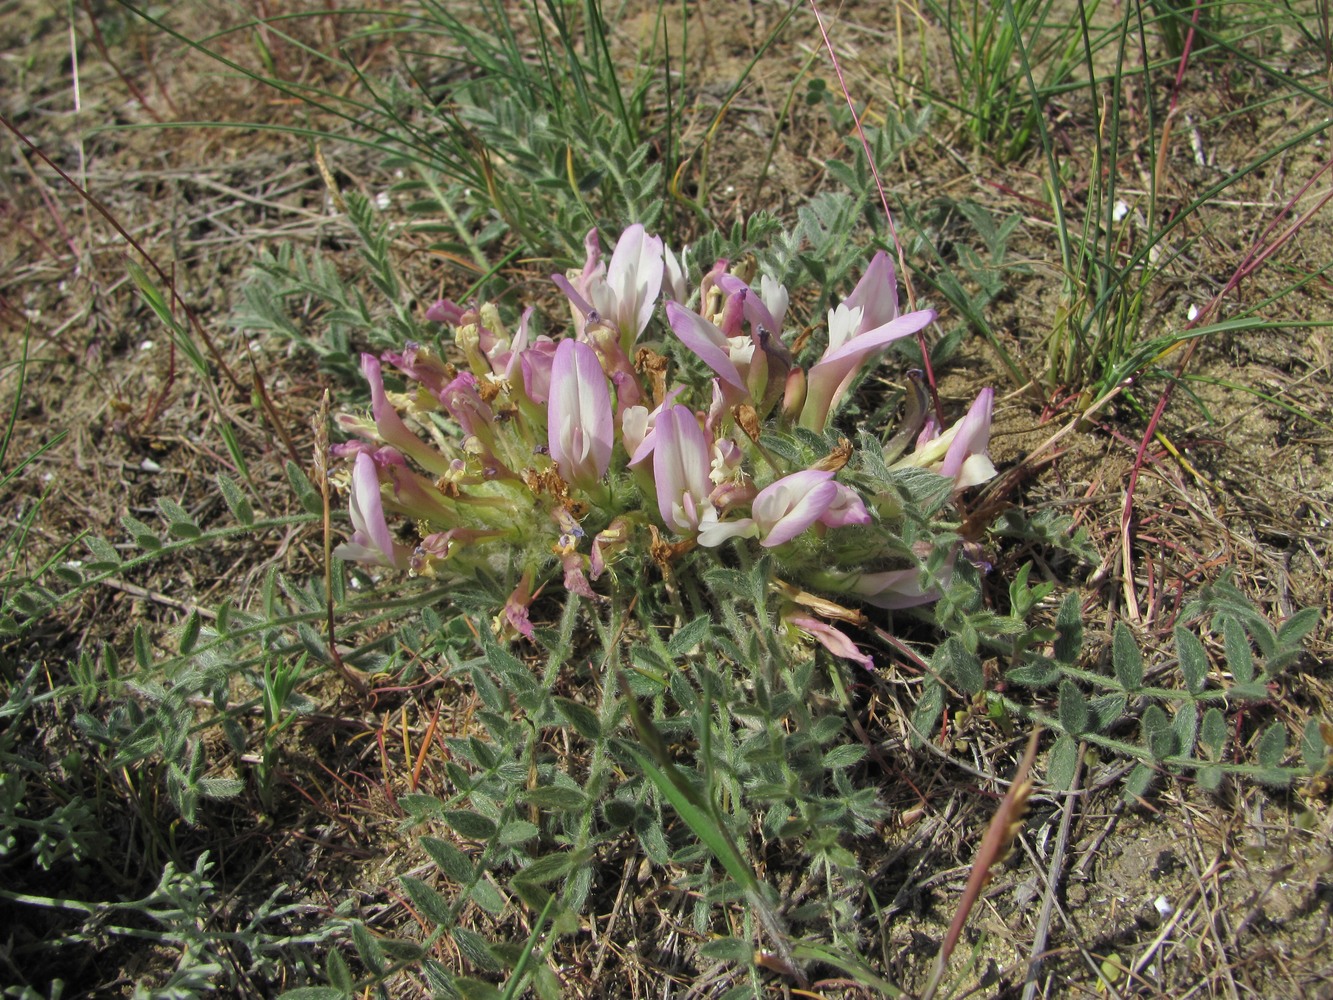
[(579, 424), (876, 294), (830, 378), (371, 541), (832, 639), (972, 437), (787, 507), (389, 424), (680, 469), (707, 341), (847, 508)]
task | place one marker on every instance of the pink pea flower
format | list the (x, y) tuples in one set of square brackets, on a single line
[(389, 426), (831, 638), (787, 507), (445, 311), (860, 327), (681, 461), (515, 613), (960, 452), (579, 422), (623, 294), (893, 589), (371, 540), (846, 508)]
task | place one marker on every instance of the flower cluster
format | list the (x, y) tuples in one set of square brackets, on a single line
[(560, 458)]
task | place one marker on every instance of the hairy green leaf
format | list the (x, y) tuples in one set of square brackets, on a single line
[(1126, 658)]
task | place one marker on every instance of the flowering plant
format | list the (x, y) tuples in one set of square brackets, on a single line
[(563, 458)]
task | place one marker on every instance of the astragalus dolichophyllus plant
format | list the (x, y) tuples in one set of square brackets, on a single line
[(559, 458)]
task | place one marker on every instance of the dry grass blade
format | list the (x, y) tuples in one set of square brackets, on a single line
[(1004, 826)]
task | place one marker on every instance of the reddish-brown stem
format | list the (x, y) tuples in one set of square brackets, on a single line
[(130, 85), (888, 214)]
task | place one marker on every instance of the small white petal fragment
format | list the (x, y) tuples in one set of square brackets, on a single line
[(148, 465), (383, 201), (1119, 212), (1164, 909), (1193, 312)]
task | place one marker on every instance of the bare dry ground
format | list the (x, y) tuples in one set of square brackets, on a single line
[(1186, 894)]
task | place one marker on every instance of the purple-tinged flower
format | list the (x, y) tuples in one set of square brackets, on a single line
[(515, 613), (785, 508), (638, 427), (390, 427), (535, 363), (832, 639), (680, 470), (607, 544), (860, 327), (847, 508), (893, 589), (445, 311), (422, 365), (579, 421), (621, 295), (960, 452), (371, 540), (714, 348)]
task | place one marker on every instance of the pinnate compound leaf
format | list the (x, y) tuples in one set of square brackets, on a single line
[(236, 502), (455, 865), (1272, 746), (471, 825), (1063, 763), (1213, 732), (689, 636), (581, 717), (1193, 659), (1074, 711), (430, 903), (1126, 658), (1240, 658)]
